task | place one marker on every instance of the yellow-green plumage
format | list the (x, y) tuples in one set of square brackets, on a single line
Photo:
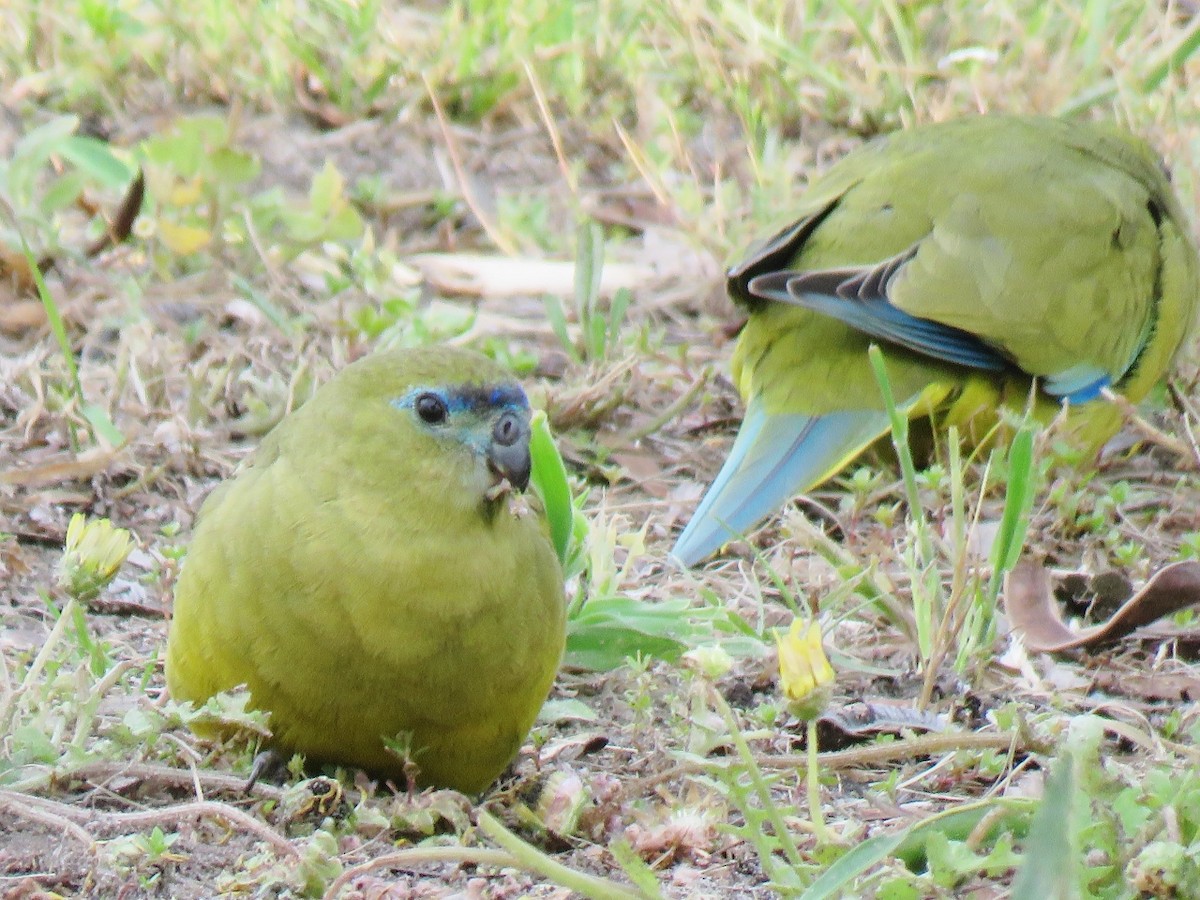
[(363, 580), (982, 255)]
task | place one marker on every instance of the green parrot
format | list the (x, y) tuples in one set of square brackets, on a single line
[(993, 259), (372, 574)]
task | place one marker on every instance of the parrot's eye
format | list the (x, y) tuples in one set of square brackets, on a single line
[(431, 408)]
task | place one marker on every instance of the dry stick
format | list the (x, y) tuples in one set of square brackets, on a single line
[(480, 856), (153, 817), (517, 854), (231, 814), (155, 774), (20, 805), (639, 162), (551, 129), (464, 182), (669, 413), (1189, 412), (874, 754), (922, 745), (1147, 428)]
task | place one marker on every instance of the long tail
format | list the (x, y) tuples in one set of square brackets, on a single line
[(773, 458)]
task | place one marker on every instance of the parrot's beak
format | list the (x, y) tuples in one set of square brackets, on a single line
[(508, 454)]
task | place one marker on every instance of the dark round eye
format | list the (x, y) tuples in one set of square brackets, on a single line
[(431, 408)]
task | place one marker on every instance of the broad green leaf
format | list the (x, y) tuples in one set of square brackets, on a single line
[(549, 478), (95, 158)]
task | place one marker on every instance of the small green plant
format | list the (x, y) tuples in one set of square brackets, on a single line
[(147, 849), (51, 712), (197, 177), (600, 329), (960, 620), (38, 194)]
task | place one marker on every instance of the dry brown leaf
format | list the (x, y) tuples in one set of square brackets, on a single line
[(313, 100), (18, 314), (73, 468), (1152, 686), (1029, 601)]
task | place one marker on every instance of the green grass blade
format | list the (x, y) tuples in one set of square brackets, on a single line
[(549, 478), (1052, 860), (835, 880), (1014, 522)]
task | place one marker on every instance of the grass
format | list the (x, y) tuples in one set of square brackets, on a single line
[(297, 184)]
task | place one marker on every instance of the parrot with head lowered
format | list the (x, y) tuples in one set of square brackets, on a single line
[(371, 576), (993, 260)]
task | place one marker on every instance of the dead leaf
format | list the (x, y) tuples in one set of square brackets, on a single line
[(17, 282), (1152, 686), (74, 468), (854, 723), (121, 226), (18, 316), (1029, 601), (313, 100)]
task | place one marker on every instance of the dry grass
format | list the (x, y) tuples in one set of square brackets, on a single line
[(682, 128)]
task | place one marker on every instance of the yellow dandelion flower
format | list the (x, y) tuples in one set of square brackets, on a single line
[(95, 549), (804, 671)]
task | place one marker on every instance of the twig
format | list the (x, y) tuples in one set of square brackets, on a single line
[(480, 856), (922, 745), (231, 814), (871, 755), (551, 129), (1147, 429), (151, 817), (639, 162), (184, 779), (20, 805), (1185, 405), (464, 182), (670, 412)]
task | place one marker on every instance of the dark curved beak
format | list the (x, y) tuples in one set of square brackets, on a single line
[(508, 454)]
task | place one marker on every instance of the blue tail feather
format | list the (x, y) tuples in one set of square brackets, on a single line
[(773, 458), (1078, 384)]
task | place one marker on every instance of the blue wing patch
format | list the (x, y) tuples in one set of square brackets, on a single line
[(859, 298)]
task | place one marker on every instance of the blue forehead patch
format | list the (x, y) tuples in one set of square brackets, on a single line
[(471, 397)]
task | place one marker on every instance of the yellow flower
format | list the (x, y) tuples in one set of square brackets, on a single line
[(804, 671), (94, 551)]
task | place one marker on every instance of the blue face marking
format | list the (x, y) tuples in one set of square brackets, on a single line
[(470, 398)]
